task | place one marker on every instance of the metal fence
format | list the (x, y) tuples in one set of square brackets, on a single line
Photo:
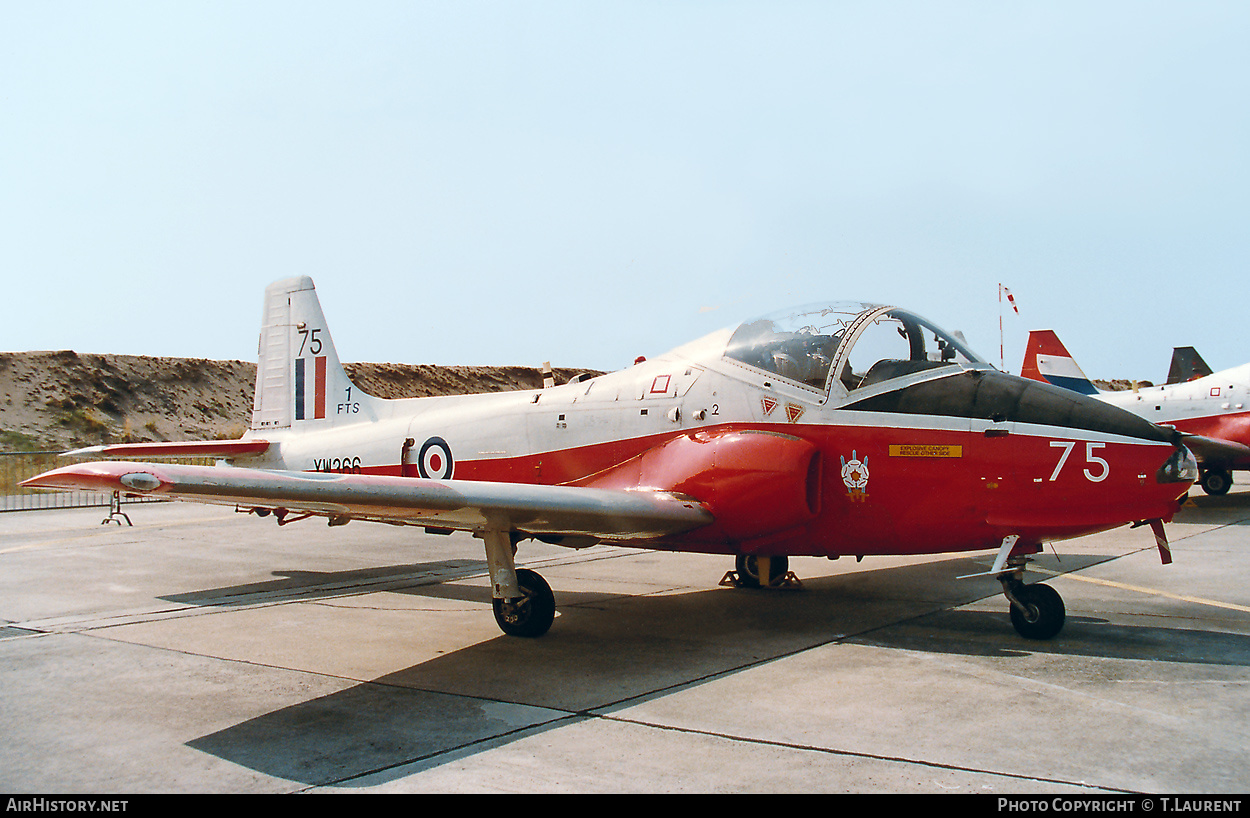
[(17, 466)]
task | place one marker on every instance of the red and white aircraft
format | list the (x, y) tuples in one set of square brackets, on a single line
[(1210, 408), (837, 430)]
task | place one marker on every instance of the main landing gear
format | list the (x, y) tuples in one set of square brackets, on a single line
[(522, 599), (533, 612), (751, 570), (1216, 482)]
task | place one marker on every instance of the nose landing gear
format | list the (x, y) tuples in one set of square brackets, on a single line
[(1037, 611)]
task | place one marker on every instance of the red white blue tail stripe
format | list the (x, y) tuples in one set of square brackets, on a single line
[(1048, 361), (310, 403)]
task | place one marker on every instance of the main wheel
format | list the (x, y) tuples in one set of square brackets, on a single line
[(749, 572), (533, 613), (1216, 482), (1045, 612)]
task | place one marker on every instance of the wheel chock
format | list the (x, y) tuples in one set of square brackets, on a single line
[(790, 582)]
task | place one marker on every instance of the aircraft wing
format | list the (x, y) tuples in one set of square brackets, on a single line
[(469, 505)]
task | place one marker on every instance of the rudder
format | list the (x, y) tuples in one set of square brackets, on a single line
[(1047, 360), (299, 378)]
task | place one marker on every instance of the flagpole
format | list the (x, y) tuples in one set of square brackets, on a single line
[(1002, 355)]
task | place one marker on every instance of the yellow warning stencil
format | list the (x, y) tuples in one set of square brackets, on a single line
[(924, 450)]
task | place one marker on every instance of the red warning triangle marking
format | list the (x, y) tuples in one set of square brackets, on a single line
[(793, 413), (769, 405)]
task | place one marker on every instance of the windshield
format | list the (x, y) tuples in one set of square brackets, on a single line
[(869, 343)]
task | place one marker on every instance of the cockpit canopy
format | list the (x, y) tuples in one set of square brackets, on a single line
[(863, 344)]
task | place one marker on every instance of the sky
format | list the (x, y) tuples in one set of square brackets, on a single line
[(491, 182)]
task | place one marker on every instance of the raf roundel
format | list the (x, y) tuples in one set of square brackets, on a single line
[(434, 461)]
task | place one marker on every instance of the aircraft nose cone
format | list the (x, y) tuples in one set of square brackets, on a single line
[(1181, 467)]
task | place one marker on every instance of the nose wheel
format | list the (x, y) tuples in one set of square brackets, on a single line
[(1037, 611)]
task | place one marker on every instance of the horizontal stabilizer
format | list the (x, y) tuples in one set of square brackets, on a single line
[(465, 505), (188, 448)]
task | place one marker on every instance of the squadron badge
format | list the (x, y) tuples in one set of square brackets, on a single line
[(855, 477)]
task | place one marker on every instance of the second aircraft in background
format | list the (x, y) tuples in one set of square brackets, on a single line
[(1211, 408)]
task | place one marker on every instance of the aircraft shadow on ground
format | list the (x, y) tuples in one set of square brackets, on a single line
[(972, 634), (1229, 509), (606, 650), (293, 585)]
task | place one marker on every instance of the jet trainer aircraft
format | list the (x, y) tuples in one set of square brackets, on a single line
[(838, 430), (1210, 408)]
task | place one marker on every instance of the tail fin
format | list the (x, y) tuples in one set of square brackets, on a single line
[(1046, 360), (1187, 365), (299, 378)]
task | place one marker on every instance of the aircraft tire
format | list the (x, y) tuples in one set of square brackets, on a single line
[(533, 614), (1216, 482), (1046, 612), (748, 570)]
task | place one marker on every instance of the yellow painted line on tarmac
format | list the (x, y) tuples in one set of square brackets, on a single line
[(33, 546), (95, 533), (1149, 591), (41, 544)]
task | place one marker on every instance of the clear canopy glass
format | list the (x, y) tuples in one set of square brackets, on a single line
[(867, 343)]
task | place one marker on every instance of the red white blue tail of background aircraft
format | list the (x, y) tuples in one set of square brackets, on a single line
[(1046, 359), (836, 430), (1209, 408)]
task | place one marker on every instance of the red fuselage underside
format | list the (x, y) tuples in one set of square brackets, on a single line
[(920, 490)]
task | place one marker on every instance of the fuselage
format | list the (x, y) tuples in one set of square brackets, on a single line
[(931, 454)]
